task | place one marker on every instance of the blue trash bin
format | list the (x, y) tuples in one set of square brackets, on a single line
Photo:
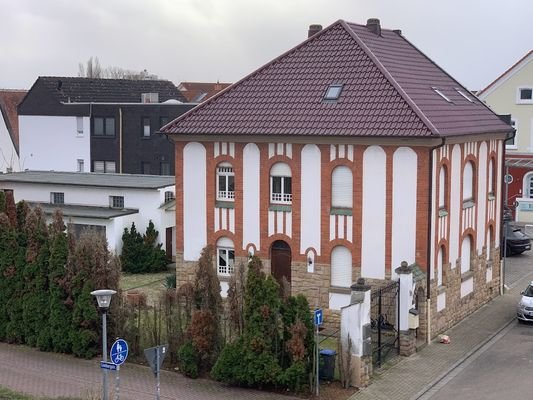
[(326, 368)]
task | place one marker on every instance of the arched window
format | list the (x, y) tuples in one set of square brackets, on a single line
[(443, 176), (341, 267), (528, 185), (440, 264), (466, 254), (225, 256), (280, 184), (468, 181), (492, 176), (225, 182), (341, 187)]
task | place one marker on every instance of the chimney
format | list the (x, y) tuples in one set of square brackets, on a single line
[(313, 30), (374, 26)]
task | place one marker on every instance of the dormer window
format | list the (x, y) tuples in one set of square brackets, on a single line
[(333, 92), (442, 95)]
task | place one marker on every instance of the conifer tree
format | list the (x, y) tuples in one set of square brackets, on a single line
[(8, 252)]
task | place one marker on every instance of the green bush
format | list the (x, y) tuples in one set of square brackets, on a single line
[(228, 368), (188, 360), (141, 253)]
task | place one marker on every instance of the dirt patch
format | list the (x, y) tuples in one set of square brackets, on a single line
[(334, 391)]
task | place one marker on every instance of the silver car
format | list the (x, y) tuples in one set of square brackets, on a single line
[(524, 311)]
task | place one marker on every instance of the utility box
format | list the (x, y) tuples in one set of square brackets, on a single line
[(414, 321)]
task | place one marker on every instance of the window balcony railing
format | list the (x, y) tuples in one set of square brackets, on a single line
[(226, 195), (282, 198)]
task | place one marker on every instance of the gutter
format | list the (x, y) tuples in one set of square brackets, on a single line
[(430, 235)]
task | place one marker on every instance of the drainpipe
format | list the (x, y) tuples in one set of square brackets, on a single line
[(430, 235), (505, 194), (120, 139)]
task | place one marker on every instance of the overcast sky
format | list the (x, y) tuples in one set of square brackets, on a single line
[(224, 40)]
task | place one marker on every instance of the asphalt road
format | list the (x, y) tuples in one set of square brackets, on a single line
[(503, 368)]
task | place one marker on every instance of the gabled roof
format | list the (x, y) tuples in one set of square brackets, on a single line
[(86, 90), (9, 100), (388, 89), (197, 92), (503, 77), (119, 181)]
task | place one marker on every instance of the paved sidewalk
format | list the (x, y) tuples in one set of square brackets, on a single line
[(411, 378), (27, 370)]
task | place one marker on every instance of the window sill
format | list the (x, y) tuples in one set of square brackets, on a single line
[(340, 211), (340, 290), (468, 204), (224, 204), (224, 277), (443, 212), (466, 275), (511, 147), (280, 207)]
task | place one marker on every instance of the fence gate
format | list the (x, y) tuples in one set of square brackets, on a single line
[(385, 314)]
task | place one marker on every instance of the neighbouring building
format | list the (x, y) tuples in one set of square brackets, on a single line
[(9, 129), (512, 93), (98, 125), (107, 203), (197, 92), (338, 160)]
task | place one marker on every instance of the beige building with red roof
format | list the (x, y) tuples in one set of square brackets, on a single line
[(338, 160)]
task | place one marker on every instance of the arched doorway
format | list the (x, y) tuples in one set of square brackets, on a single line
[(280, 258)]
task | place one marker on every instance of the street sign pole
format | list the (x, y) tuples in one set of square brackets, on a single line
[(317, 363), (157, 370), (117, 384)]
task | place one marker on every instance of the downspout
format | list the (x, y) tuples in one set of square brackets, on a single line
[(505, 194), (430, 236), (120, 140)]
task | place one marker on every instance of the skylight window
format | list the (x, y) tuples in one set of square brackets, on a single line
[(465, 95), (333, 92), (442, 95)]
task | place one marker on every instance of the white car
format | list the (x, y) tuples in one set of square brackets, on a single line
[(524, 311)]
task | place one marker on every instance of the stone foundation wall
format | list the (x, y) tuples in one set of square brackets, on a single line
[(457, 307)]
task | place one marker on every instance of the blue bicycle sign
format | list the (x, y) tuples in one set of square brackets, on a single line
[(119, 352)]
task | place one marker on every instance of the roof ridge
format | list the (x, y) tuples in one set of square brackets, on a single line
[(389, 76)]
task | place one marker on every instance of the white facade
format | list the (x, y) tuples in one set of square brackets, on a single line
[(9, 159), (147, 201), (54, 143)]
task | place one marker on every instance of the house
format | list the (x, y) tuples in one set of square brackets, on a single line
[(9, 129), (512, 93), (338, 160), (197, 92), (107, 203), (98, 125)]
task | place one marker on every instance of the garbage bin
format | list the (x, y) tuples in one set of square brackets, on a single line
[(326, 369)]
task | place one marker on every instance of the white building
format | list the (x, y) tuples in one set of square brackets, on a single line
[(105, 202)]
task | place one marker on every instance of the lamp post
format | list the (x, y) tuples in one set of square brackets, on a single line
[(103, 297)]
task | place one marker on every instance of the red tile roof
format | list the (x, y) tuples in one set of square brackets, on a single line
[(9, 100), (388, 90), (197, 92)]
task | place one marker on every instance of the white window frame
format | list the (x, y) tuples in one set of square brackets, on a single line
[(225, 251), (527, 191), (169, 196), (79, 126), (57, 198), (225, 171), (147, 130), (108, 167), (282, 172), (519, 100), (466, 258), (116, 202), (513, 146), (468, 182), (341, 197), (341, 275)]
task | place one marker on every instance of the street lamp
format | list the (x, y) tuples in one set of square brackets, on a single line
[(103, 297)]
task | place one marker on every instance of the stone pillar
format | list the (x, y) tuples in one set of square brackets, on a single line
[(356, 346), (406, 321)]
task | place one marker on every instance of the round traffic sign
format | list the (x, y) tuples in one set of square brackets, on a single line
[(508, 178), (119, 352)]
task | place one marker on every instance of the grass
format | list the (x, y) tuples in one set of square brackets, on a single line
[(6, 394), (149, 284)]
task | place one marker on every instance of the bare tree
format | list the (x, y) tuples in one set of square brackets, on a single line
[(92, 69)]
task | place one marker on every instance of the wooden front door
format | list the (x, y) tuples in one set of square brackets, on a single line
[(280, 256)]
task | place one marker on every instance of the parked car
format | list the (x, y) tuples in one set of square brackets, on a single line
[(524, 311), (517, 241)]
